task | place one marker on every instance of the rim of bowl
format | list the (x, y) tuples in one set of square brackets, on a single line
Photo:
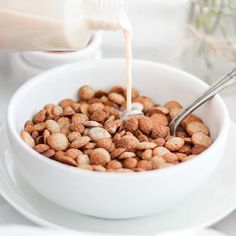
[(93, 44), (45, 75)]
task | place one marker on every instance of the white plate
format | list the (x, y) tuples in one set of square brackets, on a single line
[(213, 202)]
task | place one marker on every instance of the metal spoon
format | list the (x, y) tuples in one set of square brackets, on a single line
[(225, 81)]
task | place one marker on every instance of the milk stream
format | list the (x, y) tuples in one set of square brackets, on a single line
[(128, 55)]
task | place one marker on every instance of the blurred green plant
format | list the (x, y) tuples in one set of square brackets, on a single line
[(213, 23)]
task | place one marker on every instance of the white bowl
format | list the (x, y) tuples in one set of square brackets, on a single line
[(115, 195)]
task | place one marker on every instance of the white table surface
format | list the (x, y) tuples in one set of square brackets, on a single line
[(7, 86)]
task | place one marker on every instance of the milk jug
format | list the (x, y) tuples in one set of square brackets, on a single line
[(56, 25)]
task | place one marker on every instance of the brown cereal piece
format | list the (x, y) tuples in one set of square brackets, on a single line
[(159, 141), (111, 105), (76, 107), (93, 100), (145, 124), (112, 112), (98, 133), (90, 145), (196, 127), (104, 99), (187, 147), (88, 151), (27, 139), (182, 157), (145, 101), (95, 107), (173, 104), (117, 89), (147, 154), (35, 134), (58, 142), (29, 127), (52, 117), (64, 122), (114, 165), (99, 116), (174, 143), (197, 149), (157, 162), (159, 131), (144, 164), (65, 102), (160, 151), (46, 134), (118, 136), (84, 108), (190, 118), (170, 157), (100, 156), (50, 153), (91, 124), (83, 159), (52, 126), (126, 155), (99, 168), (40, 127), (146, 145), (130, 163), (100, 93), (105, 143), (73, 153), (40, 117), (166, 165), (128, 142), (138, 133), (159, 119), (110, 126), (73, 136), (163, 110), (68, 111), (41, 148), (117, 152), (79, 118), (116, 98), (61, 157), (131, 124), (142, 138), (86, 93), (49, 108), (85, 167), (201, 139), (77, 127), (80, 142), (174, 112)]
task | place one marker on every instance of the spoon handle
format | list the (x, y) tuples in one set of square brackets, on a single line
[(225, 81)]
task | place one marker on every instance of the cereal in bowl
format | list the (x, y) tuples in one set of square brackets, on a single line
[(91, 134)]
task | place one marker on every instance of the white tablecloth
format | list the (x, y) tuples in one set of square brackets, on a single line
[(7, 86)]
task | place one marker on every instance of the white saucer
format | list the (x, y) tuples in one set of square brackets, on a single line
[(213, 202)]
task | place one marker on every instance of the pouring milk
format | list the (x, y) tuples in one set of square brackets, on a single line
[(62, 25)]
